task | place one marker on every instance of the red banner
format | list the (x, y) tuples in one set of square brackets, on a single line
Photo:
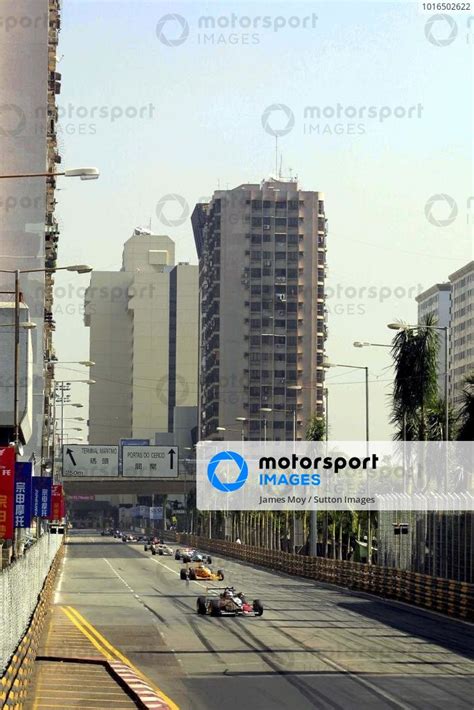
[(57, 502), (7, 492)]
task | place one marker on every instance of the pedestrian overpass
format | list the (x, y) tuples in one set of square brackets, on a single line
[(118, 485)]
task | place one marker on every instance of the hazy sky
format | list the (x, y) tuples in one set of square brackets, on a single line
[(182, 110)]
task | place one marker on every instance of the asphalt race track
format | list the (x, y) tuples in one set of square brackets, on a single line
[(315, 646)]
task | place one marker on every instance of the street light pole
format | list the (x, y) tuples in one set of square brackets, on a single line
[(16, 412)]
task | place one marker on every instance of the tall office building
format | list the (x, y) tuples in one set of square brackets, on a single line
[(462, 328), (143, 339), (28, 229), (262, 256), (452, 305), (436, 302)]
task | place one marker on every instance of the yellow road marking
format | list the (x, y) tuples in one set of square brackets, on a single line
[(84, 631), (84, 625)]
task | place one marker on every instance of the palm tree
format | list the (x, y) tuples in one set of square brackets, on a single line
[(466, 413), (415, 353), (436, 421), (316, 429)]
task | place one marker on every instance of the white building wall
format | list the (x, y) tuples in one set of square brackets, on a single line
[(23, 149), (129, 316), (462, 329)]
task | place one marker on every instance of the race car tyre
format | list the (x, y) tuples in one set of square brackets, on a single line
[(145, 547), (201, 605), (209, 560), (160, 552), (258, 607), (177, 556), (215, 608), (220, 574), (186, 558), (183, 574), (153, 551), (192, 574)]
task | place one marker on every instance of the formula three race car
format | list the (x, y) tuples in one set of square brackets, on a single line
[(228, 603), (201, 571), (160, 549)]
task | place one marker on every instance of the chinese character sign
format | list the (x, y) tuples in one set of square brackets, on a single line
[(23, 494), (42, 496), (7, 492), (57, 502)]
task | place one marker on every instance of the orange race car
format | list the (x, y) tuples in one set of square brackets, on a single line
[(201, 571)]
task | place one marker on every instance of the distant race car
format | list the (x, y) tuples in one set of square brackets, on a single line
[(129, 538), (198, 557), (201, 571), (228, 603), (184, 553), (149, 541), (159, 548)]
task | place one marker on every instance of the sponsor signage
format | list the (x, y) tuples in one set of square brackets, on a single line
[(42, 486), (156, 512), (150, 462), (57, 502), (79, 498), (90, 461), (23, 494), (7, 492)]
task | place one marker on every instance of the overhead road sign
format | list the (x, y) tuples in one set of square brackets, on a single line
[(150, 462), (90, 461)]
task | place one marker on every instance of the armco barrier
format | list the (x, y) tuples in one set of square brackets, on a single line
[(442, 595), (44, 557)]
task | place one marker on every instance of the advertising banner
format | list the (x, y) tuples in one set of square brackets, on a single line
[(7, 492), (23, 494), (57, 502), (156, 512), (42, 487)]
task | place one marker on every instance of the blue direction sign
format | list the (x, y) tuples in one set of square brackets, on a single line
[(130, 442)]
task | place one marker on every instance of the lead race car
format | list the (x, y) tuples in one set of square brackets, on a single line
[(228, 602)]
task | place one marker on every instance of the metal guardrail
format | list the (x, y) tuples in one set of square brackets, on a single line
[(25, 589), (442, 595)]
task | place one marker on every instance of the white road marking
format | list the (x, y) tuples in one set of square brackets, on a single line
[(117, 574)]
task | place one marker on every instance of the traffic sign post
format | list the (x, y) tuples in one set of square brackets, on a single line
[(150, 461), (90, 461)]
